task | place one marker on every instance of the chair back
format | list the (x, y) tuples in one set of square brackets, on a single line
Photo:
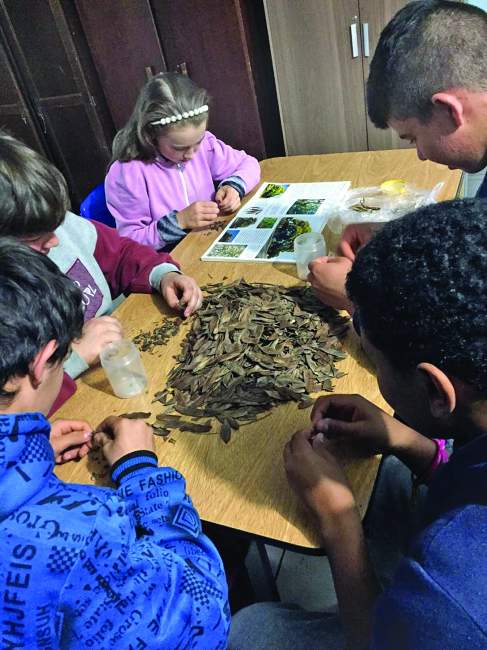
[(94, 207)]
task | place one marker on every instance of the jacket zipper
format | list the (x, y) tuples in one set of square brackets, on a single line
[(183, 182)]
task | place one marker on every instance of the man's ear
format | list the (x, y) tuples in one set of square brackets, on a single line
[(40, 361), (441, 391), (452, 104)]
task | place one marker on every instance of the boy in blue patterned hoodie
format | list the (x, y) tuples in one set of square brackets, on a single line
[(83, 566)]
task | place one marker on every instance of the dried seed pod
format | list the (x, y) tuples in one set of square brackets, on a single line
[(136, 415), (160, 431), (226, 432), (147, 341)]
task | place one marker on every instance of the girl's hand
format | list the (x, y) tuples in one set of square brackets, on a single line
[(181, 292), (70, 439), (198, 214), (228, 199)]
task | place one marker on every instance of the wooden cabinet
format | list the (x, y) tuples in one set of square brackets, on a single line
[(374, 16), (321, 51), (15, 112), (125, 48), (58, 105)]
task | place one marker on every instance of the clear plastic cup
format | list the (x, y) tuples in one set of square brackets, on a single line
[(123, 366), (308, 247)]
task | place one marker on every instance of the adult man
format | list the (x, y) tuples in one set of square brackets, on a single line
[(421, 315), (83, 566), (428, 82)]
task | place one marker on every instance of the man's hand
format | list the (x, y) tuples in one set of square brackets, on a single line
[(353, 419), (198, 214), (70, 439), (228, 199), (327, 276), (354, 237), (118, 437), (318, 479), (96, 334), (181, 291)]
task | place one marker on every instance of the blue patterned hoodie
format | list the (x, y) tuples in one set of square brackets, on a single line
[(88, 567)]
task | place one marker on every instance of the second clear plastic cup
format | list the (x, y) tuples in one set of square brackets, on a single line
[(123, 366), (308, 247)]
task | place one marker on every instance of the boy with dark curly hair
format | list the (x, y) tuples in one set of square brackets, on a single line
[(420, 297)]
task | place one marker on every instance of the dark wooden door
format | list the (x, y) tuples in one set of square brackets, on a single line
[(54, 78), (16, 115), (125, 48)]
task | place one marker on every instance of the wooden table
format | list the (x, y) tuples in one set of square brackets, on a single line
[(242, 485)]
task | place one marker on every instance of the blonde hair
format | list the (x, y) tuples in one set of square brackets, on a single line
[(165, 95)]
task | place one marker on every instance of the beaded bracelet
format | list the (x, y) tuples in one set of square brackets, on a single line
[(440, 457)]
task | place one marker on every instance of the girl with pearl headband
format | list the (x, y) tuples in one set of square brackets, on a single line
[(165, 166)]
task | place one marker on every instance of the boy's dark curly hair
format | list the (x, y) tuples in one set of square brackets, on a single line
[(420, 289)]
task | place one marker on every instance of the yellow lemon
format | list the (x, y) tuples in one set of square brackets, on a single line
[(394, 186)]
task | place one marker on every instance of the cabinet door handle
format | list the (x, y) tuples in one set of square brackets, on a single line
[(365, 37), (353, 34)]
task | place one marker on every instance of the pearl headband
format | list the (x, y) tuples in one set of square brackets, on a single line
[(181, 116)]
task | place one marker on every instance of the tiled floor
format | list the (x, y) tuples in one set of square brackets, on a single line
[(303, 580)]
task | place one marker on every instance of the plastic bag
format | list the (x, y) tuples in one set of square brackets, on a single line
[(380, 204)]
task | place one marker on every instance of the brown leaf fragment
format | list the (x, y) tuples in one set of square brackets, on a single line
[(136, 415), (195, 428), (228, 418), (189, 410), (160, 431), (226, 432), (168, 419), (306, 403), (335, 353)]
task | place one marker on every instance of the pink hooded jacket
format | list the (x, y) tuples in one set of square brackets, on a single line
[(139, 193)]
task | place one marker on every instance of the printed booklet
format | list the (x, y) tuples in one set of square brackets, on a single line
[(265, 228)]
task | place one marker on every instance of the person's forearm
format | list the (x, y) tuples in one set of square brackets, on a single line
[(355, 583), (415, 450)]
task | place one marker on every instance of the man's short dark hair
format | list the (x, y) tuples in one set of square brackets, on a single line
[(428, 47), (38, 304), (33, 193), (420, 290)]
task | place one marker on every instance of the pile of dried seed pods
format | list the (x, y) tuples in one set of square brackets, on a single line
[(250, 347)]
